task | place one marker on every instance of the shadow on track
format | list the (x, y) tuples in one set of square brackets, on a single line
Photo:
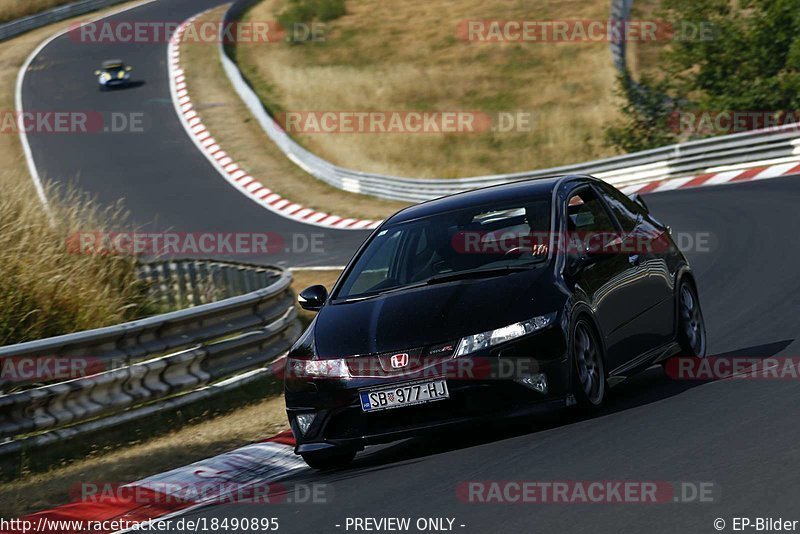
[(650, 386), (131, 85)]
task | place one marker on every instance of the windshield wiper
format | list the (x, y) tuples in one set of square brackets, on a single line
[(395, 289), (446, 277), (478, 273)]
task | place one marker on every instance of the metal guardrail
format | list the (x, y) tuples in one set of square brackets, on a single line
[(620, 13), (667, 162), (152, 363), (120, 345), (185, 283), (57, 14)]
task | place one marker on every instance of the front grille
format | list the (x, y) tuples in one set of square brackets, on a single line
[(380, 364)]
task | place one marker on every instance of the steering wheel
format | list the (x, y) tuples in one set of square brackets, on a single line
[(517, 251)]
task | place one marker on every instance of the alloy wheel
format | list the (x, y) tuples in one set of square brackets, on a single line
[(691, 322), (590, 364)]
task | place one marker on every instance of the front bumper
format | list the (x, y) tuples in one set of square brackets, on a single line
[(115, 82), (491, 393)]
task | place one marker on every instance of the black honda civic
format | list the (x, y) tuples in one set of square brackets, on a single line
[(501, 301)]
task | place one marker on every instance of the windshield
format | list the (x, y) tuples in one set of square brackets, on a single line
[(492, 238)]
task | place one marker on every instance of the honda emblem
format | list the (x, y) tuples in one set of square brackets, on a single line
[(399, 361)]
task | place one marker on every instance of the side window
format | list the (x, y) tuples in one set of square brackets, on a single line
[(585, 213), (622, 207)]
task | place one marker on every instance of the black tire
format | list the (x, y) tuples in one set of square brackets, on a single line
[(691, 326), (329, 459), (589, 383)]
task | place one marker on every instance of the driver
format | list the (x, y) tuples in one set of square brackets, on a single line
[(538, 218)]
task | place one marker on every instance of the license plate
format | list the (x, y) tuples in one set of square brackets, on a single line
[(399, 395)]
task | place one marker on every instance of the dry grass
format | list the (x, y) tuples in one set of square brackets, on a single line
[(404, 55), (47, 289), (127, 464), (242, 138), (14, 9)]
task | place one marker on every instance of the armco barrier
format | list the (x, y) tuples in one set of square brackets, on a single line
[(178, 356), (685, 159), (57, 14), (620, 12), (183, 283), (120, 345)]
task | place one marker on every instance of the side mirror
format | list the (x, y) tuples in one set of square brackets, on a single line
[(129, 68), (97, 73), (313, 298)]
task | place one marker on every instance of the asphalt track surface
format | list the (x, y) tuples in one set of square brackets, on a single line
[(164, 181), (742, 435)]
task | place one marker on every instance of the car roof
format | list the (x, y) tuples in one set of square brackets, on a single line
[(486, 195), (112, 63)]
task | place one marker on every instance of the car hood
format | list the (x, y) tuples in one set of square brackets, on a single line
[(431, 314)]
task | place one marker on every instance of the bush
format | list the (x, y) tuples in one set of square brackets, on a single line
[(330, 10), (748, 62), (647, 111), (298, 14)]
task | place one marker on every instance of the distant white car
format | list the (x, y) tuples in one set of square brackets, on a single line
[(113, 73)]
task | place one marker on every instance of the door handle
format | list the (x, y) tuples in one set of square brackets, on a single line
[(633, 259)]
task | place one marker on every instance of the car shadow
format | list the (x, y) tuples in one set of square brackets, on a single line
[(654, 384), (647, 387), (135, 84)]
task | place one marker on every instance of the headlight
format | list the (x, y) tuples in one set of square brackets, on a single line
[(336, 368), (105, 76), (491, 338)]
